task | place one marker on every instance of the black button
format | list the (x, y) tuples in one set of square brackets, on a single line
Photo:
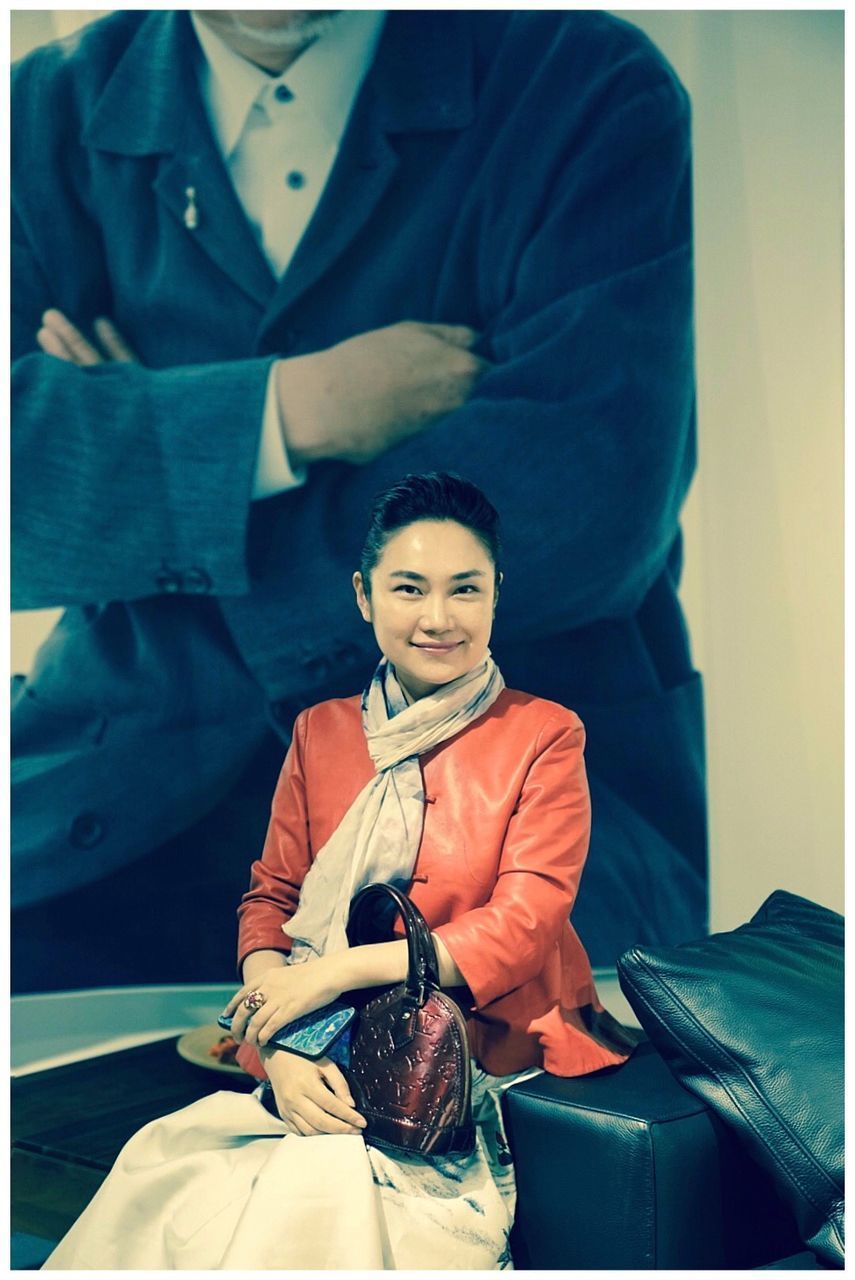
[(282, 93), (86, 831), (295, 179), (197, 581), (168, 582)]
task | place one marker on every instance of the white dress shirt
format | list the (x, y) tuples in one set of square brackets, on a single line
[(279, 137)]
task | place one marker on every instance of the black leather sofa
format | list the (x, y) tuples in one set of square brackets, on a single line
[(625, 1169), (719, 1143)]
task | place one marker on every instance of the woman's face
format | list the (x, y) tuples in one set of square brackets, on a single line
[(433, 595)]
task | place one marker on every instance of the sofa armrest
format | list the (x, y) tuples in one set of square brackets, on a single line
[(625, 1169)]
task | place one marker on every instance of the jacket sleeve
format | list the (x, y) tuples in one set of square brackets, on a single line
[(582, 432), (125, 479), (277, 876), (505, 943)]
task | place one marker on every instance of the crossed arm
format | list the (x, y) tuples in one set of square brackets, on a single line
[(351, 401), (589, 393)]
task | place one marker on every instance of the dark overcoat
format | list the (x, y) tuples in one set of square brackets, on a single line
[(525, 173)]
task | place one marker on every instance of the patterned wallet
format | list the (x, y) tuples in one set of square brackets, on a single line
[(324, 1033)]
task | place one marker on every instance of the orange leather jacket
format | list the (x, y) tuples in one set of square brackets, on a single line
[(506, 830)]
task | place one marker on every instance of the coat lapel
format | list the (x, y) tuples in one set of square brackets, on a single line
[(421, 81), (151, 105), (362, 172), (221, 229)]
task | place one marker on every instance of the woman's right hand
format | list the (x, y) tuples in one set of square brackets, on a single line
[(312, 1097)]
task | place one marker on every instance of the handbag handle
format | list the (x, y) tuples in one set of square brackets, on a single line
[(423, 969)]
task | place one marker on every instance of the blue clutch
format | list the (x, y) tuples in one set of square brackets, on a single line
[(322, 1034)]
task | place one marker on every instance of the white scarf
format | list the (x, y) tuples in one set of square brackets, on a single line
[(378, 838)]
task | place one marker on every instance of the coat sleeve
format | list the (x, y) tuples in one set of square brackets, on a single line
[(277, 876), (582, 432), (505, 943), (126, 481)]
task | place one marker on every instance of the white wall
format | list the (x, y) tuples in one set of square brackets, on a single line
[(764, 522), (764, 588)]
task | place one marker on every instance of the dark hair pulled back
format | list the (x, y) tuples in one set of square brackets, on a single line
[(433, 495)]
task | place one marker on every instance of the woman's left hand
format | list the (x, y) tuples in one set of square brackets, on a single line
[(289, 991)]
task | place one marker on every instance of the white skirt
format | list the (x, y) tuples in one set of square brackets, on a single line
[(220, 1185)]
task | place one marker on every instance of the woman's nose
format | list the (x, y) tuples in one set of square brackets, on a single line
[(436, 616)]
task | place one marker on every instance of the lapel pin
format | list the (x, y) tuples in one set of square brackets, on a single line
[(191, 213)]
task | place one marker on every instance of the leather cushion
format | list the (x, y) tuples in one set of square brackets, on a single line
[(752, 1022)]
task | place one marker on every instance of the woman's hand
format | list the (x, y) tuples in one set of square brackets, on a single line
[(289, 991), (311, 1097)]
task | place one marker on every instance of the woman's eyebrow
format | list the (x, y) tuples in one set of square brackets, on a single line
[(420, 577)]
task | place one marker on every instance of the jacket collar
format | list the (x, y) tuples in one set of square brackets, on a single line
[(324, 79), (422, 81)]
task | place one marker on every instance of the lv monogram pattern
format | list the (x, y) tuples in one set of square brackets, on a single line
[(428, 1075)]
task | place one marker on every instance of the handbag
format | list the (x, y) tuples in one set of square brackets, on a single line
[(409, 1071)]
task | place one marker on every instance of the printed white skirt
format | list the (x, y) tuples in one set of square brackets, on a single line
[(220, 1185)]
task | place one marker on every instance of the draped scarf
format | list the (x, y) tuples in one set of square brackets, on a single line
[(378, 838)]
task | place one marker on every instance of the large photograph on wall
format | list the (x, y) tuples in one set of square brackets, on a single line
[(425, 472)]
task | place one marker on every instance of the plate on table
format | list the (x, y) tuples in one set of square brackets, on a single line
[(194, 1046)]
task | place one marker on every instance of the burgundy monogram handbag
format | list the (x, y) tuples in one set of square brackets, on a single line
[(409, 1071)]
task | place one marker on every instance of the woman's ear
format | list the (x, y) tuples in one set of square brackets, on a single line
[(362, 602)]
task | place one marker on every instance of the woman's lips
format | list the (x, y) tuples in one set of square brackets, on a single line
[(437, 648)]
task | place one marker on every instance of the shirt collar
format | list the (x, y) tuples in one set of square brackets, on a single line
[(325, 77)]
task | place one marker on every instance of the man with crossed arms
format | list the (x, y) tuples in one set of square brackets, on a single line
[(264, 264)]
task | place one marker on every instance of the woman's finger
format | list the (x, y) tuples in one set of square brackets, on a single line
[(323, 1121), (334, 1077), (236, 999), (82, 353), (248, 1027), (337, 1107), (113, 342), (268, 1021), (239, 995), (264, 1021), (241, 1019), (300, 1127)]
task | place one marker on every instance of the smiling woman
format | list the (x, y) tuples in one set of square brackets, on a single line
[(474, 798), (432, 619)]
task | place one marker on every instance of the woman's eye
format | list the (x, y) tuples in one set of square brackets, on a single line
[(468, 587), (407, 588)]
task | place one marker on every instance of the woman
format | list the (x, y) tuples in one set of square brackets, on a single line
[(474, 797)]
